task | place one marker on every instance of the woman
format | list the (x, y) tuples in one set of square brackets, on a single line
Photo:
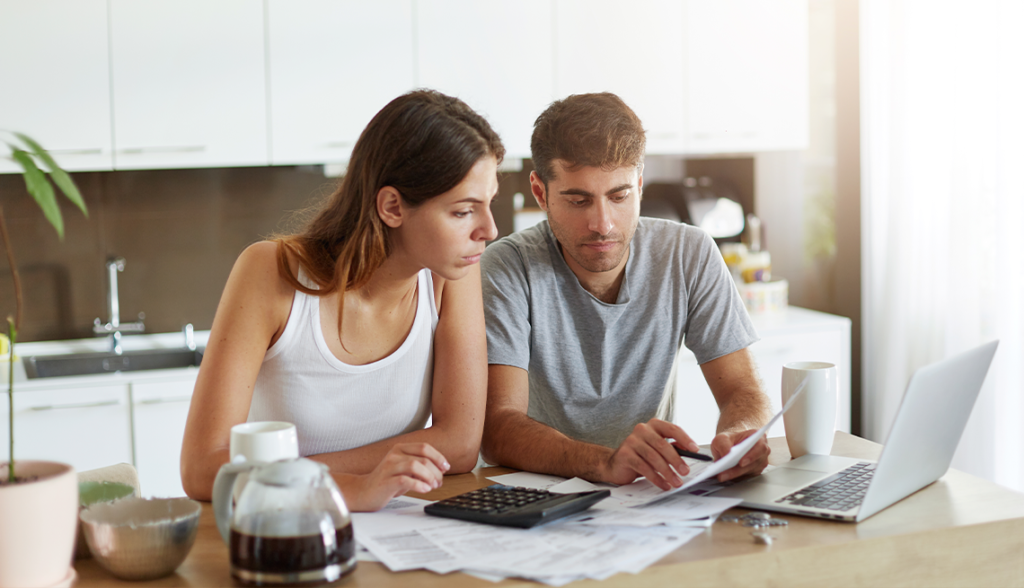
[(369, 321)]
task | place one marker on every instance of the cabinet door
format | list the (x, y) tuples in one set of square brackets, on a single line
[(188, 83), (56, 79), (86, 427), (496, 56), (633, 49), (160, 410), (747, 75), (333, 65)]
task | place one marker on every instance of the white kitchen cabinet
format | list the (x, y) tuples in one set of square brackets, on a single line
[(159, 412), (633, 49), (795, 334), (87, 427), (189, 83), (333, 64), (139, 84), (496, 56), (747, 70), (55, 77)]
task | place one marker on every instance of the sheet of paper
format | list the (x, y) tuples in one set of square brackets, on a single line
[(687, 507), (527, 480), (578, 485), (393, 535), (405, 503), (615, 518), (395, 504), (677, 510), (474, 543), (588, 552)]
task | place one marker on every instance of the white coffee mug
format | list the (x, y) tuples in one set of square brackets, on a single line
[(811, 421), (264, 441)]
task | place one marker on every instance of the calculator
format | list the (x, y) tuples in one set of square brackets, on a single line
[(512, 506)]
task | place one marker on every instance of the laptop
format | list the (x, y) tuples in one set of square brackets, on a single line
[(920, 447)]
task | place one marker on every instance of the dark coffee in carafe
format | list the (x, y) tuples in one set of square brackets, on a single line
[(267, 559)]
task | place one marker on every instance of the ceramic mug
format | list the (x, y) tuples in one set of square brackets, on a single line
[(264, 442), (811, 421), (260, 442)]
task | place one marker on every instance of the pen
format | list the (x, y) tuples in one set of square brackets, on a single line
[(694, 455)]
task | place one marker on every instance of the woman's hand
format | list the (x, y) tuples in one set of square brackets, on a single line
[(407, 467)]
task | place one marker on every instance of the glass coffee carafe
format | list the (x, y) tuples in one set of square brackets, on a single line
[(290, 524)]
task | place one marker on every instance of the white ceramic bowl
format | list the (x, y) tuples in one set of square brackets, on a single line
[(141, 539)]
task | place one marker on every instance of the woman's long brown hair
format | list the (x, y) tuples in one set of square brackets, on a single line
[(422, 144)]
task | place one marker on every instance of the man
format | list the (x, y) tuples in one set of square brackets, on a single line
[(585, 313)]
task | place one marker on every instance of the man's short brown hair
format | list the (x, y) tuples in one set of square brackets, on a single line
[(587, 130)]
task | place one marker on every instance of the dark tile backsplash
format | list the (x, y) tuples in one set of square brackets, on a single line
[(178, 230)]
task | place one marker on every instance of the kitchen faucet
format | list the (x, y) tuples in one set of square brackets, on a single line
[(114, 327)]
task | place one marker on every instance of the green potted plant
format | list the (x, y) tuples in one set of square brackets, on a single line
[(38, 499)]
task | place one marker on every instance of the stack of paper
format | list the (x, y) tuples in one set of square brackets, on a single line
[(404, 538)]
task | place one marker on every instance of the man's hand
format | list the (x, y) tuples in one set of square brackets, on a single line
[(646, 452), (753, 462)]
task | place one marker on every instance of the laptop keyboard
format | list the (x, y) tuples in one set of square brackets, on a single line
[(840, 492)]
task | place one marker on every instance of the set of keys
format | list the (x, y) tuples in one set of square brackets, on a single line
[(757, 520)]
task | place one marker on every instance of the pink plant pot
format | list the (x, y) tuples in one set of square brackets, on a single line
[(37, 533)]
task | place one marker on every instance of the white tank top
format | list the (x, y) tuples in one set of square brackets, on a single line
[(336, 406)]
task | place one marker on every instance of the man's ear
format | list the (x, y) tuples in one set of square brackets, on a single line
[(640, 184), (389, 207), (539, 191)]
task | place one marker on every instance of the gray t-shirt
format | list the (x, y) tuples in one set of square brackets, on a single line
[(598, 369)]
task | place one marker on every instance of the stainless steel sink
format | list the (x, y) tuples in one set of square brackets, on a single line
[(77, 364)]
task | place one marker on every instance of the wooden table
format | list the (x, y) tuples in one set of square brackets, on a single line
[(960, 531)]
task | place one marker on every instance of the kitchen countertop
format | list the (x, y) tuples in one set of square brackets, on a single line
[(173, 340)]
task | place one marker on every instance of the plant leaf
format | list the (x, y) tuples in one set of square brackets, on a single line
[(59, 176), (41, 190)]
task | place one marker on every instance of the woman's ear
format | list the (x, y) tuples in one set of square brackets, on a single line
[(389, 207)]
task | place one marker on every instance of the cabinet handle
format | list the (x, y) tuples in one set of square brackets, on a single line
[(96, 151), (143, 150), (166, 400), (339, 144), (77, 405)]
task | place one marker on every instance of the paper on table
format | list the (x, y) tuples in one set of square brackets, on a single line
[(682, 507), (675, 510), (404, 503), (579, 552), (643, 491), (578, 485), (406, 538), (528, 480)]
